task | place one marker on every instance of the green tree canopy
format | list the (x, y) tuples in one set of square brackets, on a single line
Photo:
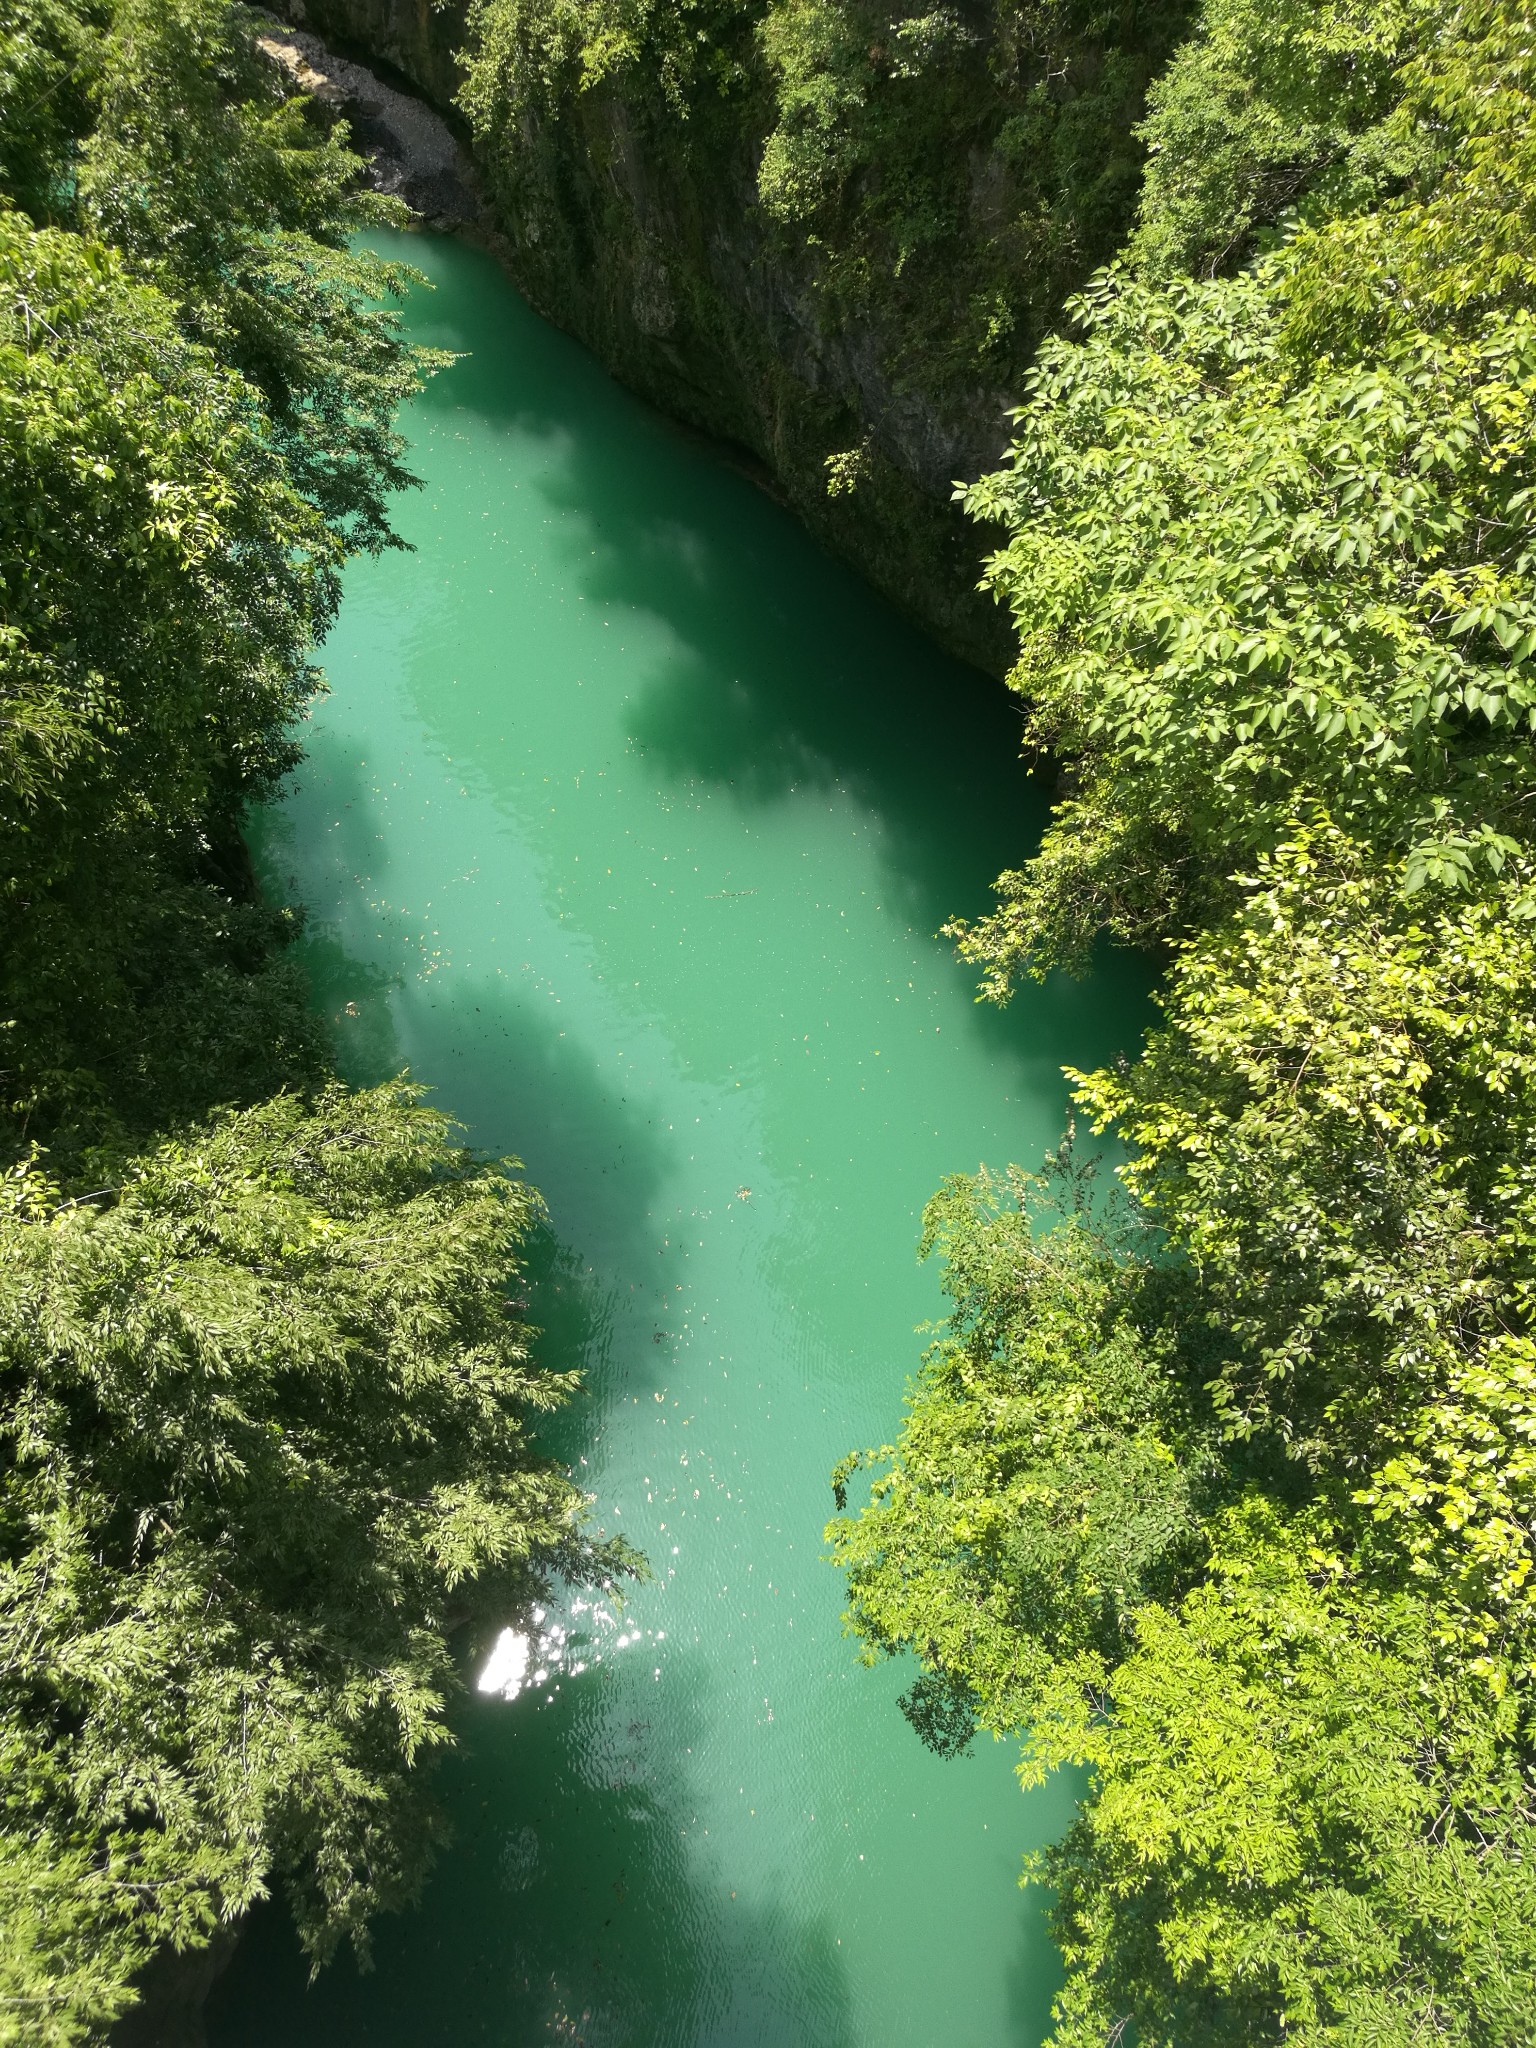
[(1269, 552), (197, 385), (265, 1423)]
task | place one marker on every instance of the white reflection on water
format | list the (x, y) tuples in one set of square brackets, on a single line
[(507, 1665), (552, 1647)]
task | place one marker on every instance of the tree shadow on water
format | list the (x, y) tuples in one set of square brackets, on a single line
[(519, 1086), (783, 672), (786, 670), (570, 1909), (497, 1059)]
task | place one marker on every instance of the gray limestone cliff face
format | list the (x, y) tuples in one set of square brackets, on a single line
[(661, 262)]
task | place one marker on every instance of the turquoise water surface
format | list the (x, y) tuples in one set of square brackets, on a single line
[(627, 825)]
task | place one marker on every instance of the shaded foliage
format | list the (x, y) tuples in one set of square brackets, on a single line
[(197, 383)]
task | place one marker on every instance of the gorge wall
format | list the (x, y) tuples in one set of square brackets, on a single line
[(858, 318)]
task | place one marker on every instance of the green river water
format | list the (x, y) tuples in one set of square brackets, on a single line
[(627, 825)]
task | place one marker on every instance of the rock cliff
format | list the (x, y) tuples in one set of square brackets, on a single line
[(633, 219)]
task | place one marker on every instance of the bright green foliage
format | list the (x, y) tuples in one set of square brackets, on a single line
[(1459, 244), (1270, 552), (824, 76), (265, 1421), (1275, 107), (1297, 1812), (1311, 1796), (1337, 1126), (1238, 579), (163, 576), (1247, 574)]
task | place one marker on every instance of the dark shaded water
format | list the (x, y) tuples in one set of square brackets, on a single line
[(627, 826)]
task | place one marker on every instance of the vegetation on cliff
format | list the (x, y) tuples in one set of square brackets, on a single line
[(264, 1394), (1222, 1485), (829, 233), (951, 175)]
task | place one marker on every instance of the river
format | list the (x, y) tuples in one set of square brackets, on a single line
[(627, 825)]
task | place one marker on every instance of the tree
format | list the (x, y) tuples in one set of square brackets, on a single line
[(196, 428), (266, 1420), (265, 1398), (1307, 1826), (1273, 113), (1242, 584)]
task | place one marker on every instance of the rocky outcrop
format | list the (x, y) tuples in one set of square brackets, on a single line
[(661, 261), (417, 39), (415, 154)]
